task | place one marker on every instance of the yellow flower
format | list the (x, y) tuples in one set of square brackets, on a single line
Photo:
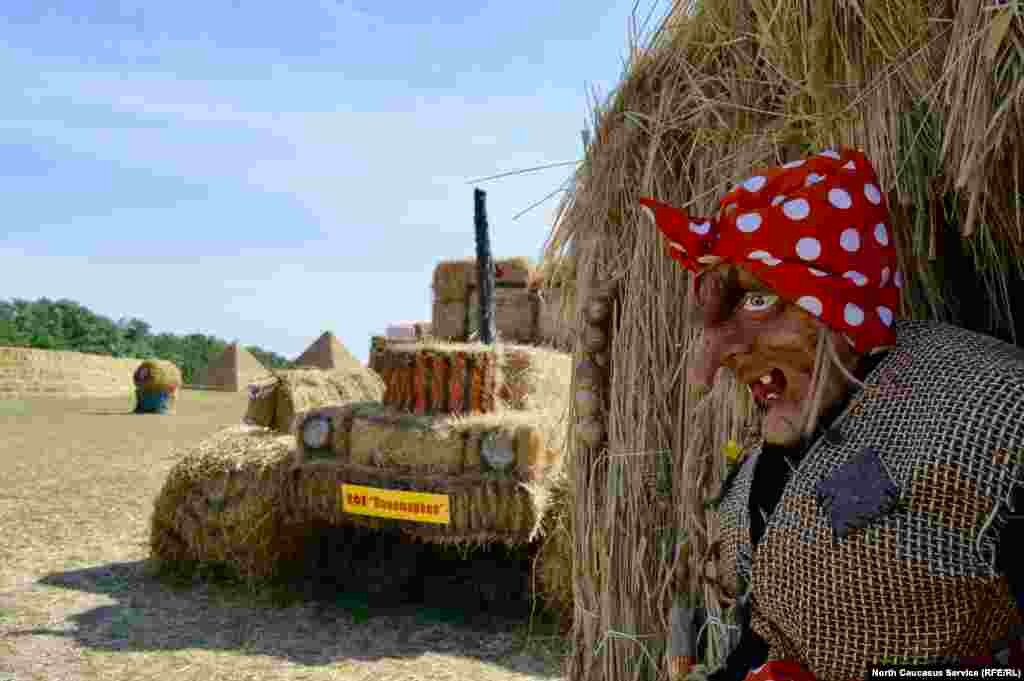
[(732, 451)]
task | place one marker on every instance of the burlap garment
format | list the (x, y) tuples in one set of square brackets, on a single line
[(945, 410)]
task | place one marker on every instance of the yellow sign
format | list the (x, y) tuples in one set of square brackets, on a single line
[(420, 507)]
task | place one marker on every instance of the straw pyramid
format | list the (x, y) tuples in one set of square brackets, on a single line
[(327, 352), (235, 369)]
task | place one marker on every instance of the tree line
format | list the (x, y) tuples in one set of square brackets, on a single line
[(65, 325)]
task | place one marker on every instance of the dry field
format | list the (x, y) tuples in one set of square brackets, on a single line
[(78, 599)]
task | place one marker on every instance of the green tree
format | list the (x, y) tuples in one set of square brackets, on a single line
[(67, 325)]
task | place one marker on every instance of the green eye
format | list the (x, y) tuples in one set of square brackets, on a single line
[(759, 302)]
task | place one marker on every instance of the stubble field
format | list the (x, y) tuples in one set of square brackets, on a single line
[(79, 600)]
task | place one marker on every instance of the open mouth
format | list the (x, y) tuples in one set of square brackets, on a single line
[(768, 387)]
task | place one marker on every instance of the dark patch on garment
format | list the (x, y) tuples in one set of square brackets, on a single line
[(857, 493)]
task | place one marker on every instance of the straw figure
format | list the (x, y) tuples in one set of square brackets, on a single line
[(932, 93), (872, 520), (157, 383)]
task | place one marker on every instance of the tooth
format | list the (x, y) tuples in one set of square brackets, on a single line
[(766, 379), (772, 396)]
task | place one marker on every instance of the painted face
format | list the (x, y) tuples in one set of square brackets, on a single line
[(770, 346)]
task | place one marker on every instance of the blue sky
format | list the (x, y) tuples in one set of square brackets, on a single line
[(266, 171)]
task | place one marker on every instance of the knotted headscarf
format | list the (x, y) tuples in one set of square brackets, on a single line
[(817, 231)]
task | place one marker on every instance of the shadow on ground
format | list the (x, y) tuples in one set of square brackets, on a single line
[(315, 621)]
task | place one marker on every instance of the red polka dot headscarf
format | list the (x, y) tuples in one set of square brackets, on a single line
[(817, 231)]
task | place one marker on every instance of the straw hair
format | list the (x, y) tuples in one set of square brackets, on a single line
[(819, 379), (830, 344)]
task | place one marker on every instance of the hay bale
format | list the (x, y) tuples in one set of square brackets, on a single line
[(453, 279), (222, 504), (439, 374), (302, 389), (533, 378), (449, 320), (375, 435), (482, 508), (157, 383), (515, 314), (393, 440), (474, 378), (452, 444), (377, 345), (262, 405), (553, 567), (28, 371), (555, 319), (157, 375)]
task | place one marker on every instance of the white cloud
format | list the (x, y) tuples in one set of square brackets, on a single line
[(345, 167)]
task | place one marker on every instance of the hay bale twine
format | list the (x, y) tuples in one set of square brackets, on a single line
[(157, 383)]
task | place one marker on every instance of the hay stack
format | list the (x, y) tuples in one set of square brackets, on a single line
[(933, 94), (233, 371), (274, 402), (157, 384), (327, 352)]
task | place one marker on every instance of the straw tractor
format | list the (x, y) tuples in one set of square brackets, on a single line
[(444, 445)]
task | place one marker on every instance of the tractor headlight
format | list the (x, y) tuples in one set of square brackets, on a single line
[(498, 453), (316, 431)]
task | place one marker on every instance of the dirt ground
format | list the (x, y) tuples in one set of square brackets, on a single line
[(78, 599)]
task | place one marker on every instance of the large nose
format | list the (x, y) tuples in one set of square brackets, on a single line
[(721, 342)]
